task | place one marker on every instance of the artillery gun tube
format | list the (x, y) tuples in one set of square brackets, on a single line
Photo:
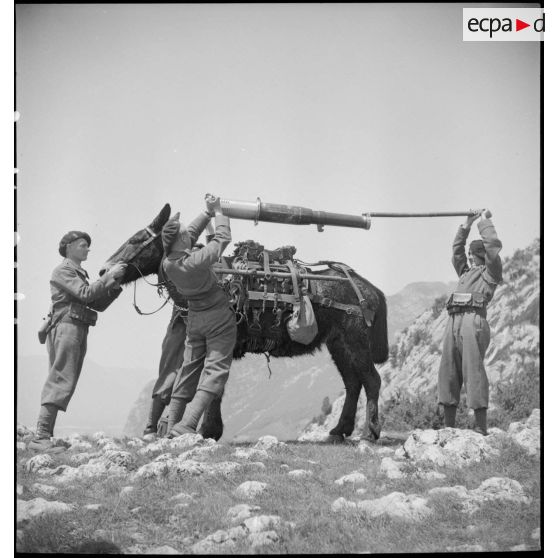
[(290, 214)]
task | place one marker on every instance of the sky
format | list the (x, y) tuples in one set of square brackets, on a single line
[(346, 108)]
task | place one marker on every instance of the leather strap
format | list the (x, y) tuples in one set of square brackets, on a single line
[(294, 275), (366, 312)]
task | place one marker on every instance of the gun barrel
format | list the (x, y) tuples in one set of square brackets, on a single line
[(290, 214)]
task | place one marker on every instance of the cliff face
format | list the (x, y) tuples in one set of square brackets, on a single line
[(513, 316)]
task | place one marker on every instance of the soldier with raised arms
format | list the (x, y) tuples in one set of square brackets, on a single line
[(467, 333), (211, 330)]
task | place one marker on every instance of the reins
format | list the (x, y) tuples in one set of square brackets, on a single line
[(159, 291)]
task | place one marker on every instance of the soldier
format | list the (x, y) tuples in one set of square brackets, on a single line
[(211, 331), (73, 310), (467, 333), (172, 356), (172, 353)]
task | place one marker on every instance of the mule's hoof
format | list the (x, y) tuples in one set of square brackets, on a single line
[(335, 439)]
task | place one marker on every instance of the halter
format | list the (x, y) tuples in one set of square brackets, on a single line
[(139, 248)]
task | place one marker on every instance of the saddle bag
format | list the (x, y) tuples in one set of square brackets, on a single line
[(82, 313), (302, 326)]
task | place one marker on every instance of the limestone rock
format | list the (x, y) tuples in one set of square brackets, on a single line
[(448, 446), (151, 470), (39, 506), (126, 490), (250, 489), (41, 461), (268, 442), (249, 453), (120, 458), (136, 443), (24, 433), (527, 434), (260, 523), (494, 488), (300, 473), (213, 543), (314, 433), (81, 458), (240, 512), (263, 538), (44, 489), (353, 478), (397, 504), (99, 466), (391, 468), (80, 445), (21, 446)]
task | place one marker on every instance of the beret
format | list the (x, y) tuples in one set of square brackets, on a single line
[(69, 237), (477, 248)]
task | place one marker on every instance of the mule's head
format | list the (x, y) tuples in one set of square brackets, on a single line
[(143, 251)]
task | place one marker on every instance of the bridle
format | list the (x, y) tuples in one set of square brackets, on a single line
[(140, 248)]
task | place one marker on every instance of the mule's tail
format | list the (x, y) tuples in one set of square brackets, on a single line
[(379, 331)]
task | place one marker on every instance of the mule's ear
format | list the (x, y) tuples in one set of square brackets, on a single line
[(161, 219)]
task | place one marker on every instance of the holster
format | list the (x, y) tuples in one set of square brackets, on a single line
[(44, 329)]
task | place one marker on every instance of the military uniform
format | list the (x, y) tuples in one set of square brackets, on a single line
[(211, 330), (467, 333), (74, 305)]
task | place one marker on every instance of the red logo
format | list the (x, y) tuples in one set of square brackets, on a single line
[(519, 25)]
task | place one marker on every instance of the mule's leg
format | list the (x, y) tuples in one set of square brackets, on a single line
[(343, 360), (372, 382), (212, 425)]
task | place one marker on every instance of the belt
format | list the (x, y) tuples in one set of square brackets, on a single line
[(466, 310)]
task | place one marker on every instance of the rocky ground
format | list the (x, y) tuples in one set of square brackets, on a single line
[(410, 480)]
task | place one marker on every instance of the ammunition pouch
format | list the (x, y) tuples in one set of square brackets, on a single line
[(461, 303), (82, 314)]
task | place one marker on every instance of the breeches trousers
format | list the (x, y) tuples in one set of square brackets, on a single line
[(466, 340), (211, 337), (172, 356), (66, 345)]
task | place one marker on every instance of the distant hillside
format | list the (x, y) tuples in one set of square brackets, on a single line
[(513, 316), (101, 401), (411, 301), (257, 403)]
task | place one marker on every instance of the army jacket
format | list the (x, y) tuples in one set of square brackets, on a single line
[(481, 279), (191, 270), (69, 283)]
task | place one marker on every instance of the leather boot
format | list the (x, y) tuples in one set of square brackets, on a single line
[(157, 408), (193, 414), (176, 411), (450, 411), (45, 428), (480, 421)]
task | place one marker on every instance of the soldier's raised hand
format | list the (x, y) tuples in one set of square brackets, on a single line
[(476, 213), (486, 214), (213, 204)]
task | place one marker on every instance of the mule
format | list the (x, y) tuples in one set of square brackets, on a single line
[(354, 347)]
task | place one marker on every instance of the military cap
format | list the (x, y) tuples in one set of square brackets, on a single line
[(69, 237), (477, 248), (170, 232)]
